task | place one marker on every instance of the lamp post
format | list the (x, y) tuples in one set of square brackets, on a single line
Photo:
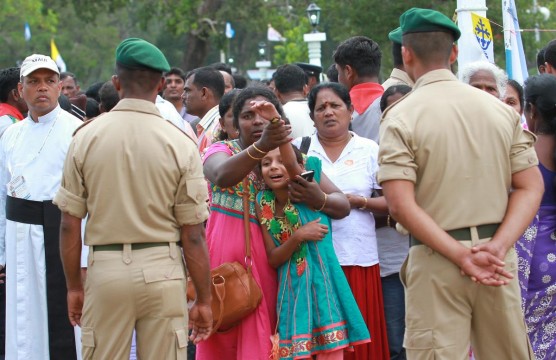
[(314, 38), (263, 64)]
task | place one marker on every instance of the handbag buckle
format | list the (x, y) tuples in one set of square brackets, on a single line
[(218, 279), (248, 261)]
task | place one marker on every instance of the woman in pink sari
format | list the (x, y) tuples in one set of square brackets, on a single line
[(226, 164)]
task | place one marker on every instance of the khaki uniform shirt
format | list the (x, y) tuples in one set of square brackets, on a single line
[(137, 176), (397, 77), (459, 146)]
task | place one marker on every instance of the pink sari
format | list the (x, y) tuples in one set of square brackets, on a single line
[(225, 239)]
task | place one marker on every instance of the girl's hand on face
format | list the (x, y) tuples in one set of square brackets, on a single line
[(312, 231)]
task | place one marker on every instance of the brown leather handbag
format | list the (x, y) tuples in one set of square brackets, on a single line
[(235, 293)]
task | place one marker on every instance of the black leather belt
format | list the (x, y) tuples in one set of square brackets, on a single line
[(464, 234)]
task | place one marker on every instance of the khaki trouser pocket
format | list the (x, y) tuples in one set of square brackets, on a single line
[(419, 344), (163, 284), (181, 343), (87, 343)]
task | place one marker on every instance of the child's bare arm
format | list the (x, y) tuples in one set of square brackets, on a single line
[(289, 160)]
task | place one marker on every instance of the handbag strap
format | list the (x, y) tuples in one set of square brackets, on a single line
[(246, 225)]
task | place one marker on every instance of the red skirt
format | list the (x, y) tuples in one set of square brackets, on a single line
[(367, 290)]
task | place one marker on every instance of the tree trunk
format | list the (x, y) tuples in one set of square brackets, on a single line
[(198, 40)]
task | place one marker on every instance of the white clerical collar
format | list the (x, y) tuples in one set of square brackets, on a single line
[(45, 119)]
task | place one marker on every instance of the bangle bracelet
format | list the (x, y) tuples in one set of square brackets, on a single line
[(364, 207), (388, 221), (324, 203), (276, 119), (251, 156), (259, 150)]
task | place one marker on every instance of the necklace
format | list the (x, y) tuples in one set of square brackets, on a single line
[(281, 228), (19, 145)]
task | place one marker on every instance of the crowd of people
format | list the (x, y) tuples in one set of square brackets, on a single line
[(413, 218)]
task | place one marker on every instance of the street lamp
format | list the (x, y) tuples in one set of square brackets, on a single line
[(263, 64), (314, 38), (262, 50), (313, 13)]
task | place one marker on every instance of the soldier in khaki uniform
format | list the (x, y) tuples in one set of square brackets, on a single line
[(398, 76), (140, 180), (446, 169)]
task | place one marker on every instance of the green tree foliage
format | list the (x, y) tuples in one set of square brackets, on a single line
[(293, 49), (191, 32), (13, 15)]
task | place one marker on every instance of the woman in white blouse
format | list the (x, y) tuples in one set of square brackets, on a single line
[(350, 161)]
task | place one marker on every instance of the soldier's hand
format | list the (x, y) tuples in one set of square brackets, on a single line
[(485, 268), (75, 306), (200, 322)]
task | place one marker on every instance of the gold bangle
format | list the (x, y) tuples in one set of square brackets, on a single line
[(388, 221), (259, 150), (324, 203), (251, 156), (276, 119), (364, 207)]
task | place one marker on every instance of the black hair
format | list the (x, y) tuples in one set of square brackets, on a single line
[(540, 90), (9, 78), (361, 53), (220, 66), (519, 89), (430, 46), (109, 96), (240, 81), (210, 78), (65, 74), (298, 154), (540, 58), (225, 104), (332, 73), (337, 88), (289, 78), (250, 93), (227, 101), (92, 91), (176, 71), (91, 109), (394, 89), (397, 54), (64, 103), (141, 80), (550, 53)]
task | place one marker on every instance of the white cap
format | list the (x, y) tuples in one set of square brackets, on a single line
[(35, 62)]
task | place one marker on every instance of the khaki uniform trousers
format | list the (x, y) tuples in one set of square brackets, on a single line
[(446, 312), (135, 289)]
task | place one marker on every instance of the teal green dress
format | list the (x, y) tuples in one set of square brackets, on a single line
[(316, 309)]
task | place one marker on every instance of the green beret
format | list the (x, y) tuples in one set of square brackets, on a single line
[(137, 53), (396, 35), (417, 20)]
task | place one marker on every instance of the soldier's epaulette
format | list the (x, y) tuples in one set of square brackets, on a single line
[(85, 123)]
